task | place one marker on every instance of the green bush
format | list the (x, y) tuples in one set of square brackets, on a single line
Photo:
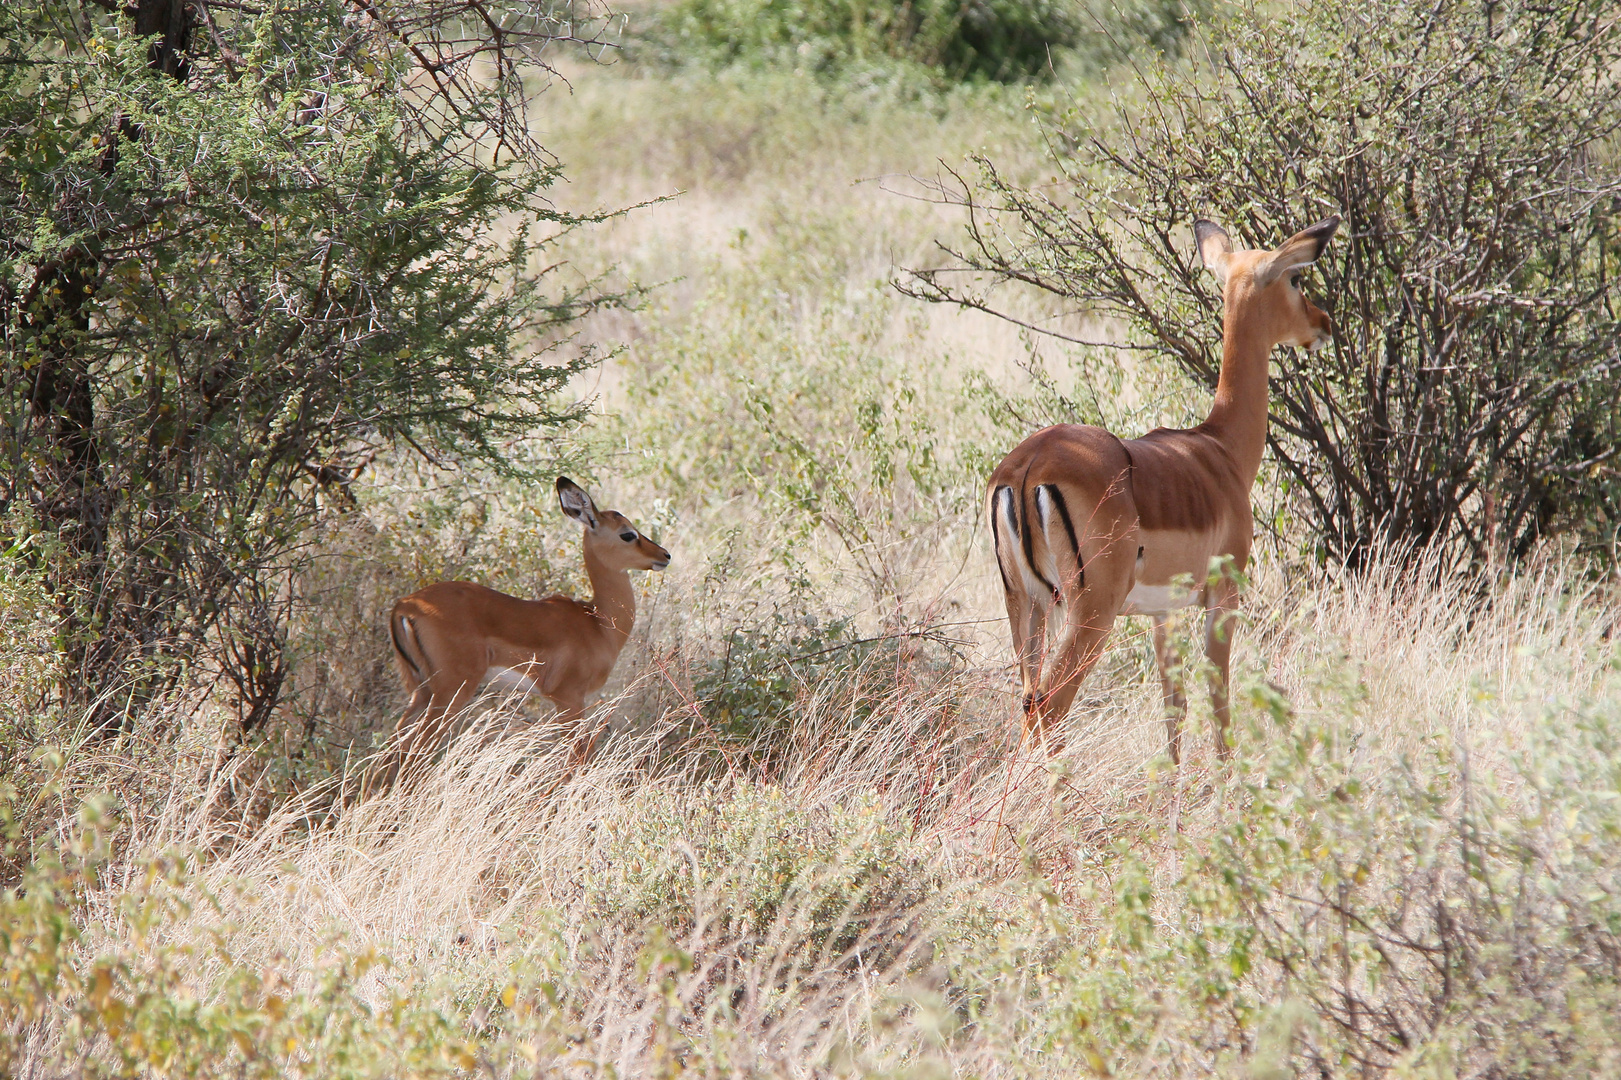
[(1002, 40), (237, 261), (1352, 919), (747, 691)]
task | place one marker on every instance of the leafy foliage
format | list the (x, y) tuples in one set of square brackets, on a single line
[(749, 689), (1469, 400), (240, 256), (984, 39), (1419, 919)]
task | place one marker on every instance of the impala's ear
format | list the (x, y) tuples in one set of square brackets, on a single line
[(1214, 247), (576, 503), (1301, 249)]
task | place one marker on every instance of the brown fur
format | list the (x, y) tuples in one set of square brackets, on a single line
[(1095, 516)]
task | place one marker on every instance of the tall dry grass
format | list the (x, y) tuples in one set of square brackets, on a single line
[(871, 905)]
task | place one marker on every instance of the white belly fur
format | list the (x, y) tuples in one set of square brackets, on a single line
[(1158, 599), (502, 678)]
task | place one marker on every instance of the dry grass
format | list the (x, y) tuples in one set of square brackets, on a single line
[(836, 915)]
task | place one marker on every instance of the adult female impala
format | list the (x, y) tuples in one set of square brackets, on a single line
[(1106, 526), (450, 637)]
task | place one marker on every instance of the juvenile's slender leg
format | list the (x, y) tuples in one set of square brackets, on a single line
[(416, 742), (1176, 702), (569, 713)]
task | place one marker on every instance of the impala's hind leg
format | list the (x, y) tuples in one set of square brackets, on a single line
[(442, 675), (1028, 620), (1026, 610), (1086, 628), (418, 735), (1091, 603), (1176, 703)]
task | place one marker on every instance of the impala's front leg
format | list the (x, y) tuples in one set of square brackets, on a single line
[(1176, 702), (570, 716), (570, 711), (1221, 604)]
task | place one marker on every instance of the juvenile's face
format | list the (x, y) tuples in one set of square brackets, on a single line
[(622, 545)]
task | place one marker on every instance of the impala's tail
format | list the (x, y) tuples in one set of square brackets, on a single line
[(408, 650), (1040, 550)]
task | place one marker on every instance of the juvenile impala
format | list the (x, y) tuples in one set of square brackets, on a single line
[(1106, 526), (452, 636)]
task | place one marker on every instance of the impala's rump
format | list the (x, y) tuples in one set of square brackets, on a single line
[(1045, 529)]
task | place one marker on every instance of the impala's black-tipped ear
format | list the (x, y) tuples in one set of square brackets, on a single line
[(1302, 249), (576, 503), (1214, 247)]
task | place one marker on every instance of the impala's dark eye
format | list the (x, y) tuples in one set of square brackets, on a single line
[(1294, 282), (627, 537)]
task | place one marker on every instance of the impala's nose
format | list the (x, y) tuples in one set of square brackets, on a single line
[(1323, 328)]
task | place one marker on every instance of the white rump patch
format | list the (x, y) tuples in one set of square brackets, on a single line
[(1046, 511), (503, 678), (1158, 599), (1009, 532)]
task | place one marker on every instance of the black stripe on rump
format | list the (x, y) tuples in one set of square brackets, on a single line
[(1029, 550), (1069, 528), (996, 531), (394, 626)]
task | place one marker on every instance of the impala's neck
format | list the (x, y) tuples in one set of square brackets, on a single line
[(612, 598), (1239, 413)]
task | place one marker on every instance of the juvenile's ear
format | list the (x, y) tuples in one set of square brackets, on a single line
[(1214, 247), (1301, 249), (576, 503)]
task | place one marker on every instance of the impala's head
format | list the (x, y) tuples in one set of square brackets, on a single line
[(1261, 289), (609, 535)]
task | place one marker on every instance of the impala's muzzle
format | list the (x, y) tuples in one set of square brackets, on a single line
[(1323, 330)]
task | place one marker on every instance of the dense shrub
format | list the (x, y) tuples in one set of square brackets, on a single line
[(749, 688), (1469, 399), (984, 39)]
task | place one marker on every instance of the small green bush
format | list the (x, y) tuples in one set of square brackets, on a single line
[(749, 688)]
